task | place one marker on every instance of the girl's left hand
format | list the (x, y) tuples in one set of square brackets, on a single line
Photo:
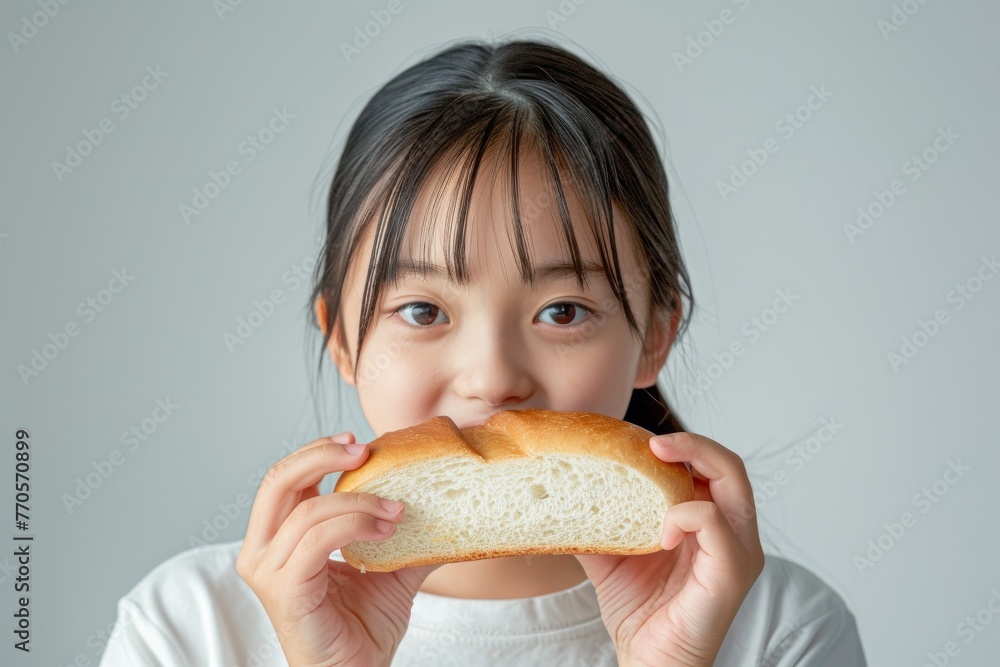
[(674, 607)]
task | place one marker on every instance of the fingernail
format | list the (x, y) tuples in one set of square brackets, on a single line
[(663, 440), (390, 505), (354, 448), (383, 526)]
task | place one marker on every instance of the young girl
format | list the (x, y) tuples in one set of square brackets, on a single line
[(499, 237)]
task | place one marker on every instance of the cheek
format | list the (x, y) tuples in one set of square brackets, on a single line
[(396, 386), (595, 378)]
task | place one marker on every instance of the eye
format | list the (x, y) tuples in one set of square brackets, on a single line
[(423, 314), (564, 314)]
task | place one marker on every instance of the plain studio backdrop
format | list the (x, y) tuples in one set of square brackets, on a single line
[(833, 174)]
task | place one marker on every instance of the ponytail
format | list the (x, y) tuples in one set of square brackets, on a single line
[(649, 410)]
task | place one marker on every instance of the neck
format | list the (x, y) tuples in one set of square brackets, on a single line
[(505, 578)]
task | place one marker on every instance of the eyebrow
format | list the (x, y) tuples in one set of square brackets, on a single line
[(558, 270)]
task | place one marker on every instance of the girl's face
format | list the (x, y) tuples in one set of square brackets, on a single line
[(435, 347)]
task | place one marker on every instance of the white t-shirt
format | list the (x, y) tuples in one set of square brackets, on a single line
[(194, 609)]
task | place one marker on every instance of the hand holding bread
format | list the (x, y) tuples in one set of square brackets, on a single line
[(310, 598), (669, 574), (675, 607)]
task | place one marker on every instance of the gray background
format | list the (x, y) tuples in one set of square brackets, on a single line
[(241, 409)]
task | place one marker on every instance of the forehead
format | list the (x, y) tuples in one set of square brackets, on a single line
[(490, 240)]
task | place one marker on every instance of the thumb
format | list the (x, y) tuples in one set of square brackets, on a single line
[(344, 438)]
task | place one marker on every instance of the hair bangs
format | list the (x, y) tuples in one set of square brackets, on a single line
[(573, 147), (576, 140)]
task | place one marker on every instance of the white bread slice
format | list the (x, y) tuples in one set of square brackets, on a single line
[(524, 482)]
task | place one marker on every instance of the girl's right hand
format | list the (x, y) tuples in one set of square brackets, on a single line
[(325, 612)]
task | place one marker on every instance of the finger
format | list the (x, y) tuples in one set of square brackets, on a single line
[(723, 470), (311, 555), (730, 565), (280, 489), (345, 438), (710, 526), (309, 514)]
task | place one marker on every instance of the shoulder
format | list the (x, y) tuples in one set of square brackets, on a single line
[(195, 582), (192, 608), (792, 617), (198, 564), (784, 585)]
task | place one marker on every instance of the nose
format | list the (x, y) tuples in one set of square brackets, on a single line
[(493, 366)]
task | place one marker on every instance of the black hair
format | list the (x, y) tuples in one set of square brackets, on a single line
[(475, 97)]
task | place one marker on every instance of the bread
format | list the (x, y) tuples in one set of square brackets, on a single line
[(524, 482)]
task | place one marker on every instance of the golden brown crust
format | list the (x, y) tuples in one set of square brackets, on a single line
[(434, 438), (415, 561), (519, 433)]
